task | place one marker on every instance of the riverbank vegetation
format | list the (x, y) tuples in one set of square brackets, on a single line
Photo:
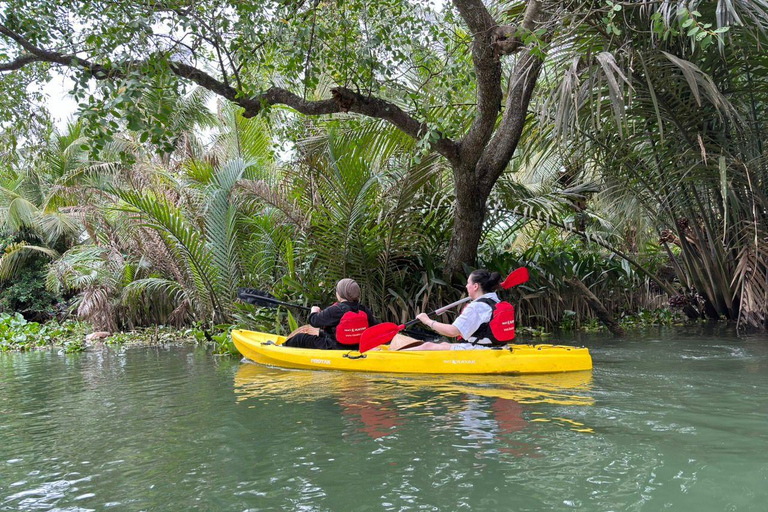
[(626, 167)]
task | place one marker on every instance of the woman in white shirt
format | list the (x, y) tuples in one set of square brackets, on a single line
[(473, 321)]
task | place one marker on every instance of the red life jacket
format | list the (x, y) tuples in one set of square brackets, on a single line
[(501, 328), (351, 327)]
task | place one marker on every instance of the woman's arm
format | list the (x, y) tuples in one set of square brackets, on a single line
[(440, 328), (328, 317)]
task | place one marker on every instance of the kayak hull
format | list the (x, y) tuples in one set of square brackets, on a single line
[(266, 349)]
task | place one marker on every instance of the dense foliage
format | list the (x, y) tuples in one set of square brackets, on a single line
[(675, 134), (639, 165)]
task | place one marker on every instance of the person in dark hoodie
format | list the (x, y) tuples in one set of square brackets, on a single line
[(340, 325)]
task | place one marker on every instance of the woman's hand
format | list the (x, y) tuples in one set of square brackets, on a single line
[(315, 309), (423, 318)]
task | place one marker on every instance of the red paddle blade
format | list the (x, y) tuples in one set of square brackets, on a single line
[(377, 335), (518, 276)]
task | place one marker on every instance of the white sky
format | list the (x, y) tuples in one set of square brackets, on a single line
[(60, 103)]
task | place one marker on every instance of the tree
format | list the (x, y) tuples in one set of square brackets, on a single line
[(439, 80), (33, 191), (673, 124)]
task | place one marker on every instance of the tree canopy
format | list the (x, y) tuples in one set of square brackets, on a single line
[(437, 74)]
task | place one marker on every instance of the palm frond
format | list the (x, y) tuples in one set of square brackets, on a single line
[(175, 229), (16, 255)]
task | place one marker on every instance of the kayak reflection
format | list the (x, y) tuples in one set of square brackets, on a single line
[(375, 418), (377, 404), (257, 381)]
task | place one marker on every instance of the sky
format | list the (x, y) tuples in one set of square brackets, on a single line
[(60, 104)]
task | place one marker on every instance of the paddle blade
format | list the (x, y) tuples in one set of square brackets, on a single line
[(379, 334), (517, 277), (257, 297)]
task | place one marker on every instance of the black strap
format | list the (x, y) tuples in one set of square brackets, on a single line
[(484, 331), (490, 302)]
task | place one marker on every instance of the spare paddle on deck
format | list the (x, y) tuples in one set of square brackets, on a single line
[(261, 298), (384, 332)]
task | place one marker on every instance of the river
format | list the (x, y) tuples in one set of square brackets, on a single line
[(667, 420)]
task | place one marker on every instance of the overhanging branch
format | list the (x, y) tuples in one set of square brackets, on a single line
[(346, 100), (19, 63), (343, 99)]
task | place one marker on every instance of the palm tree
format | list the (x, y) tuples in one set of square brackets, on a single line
[(30, 201), (671, 122), (353, 204)]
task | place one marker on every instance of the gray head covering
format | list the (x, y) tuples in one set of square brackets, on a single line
[(348, 290)]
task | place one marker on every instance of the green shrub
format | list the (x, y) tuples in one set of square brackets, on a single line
[(548, 301), (26, 293), (16, 333)]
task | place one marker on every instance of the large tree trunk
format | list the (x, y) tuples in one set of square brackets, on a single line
[(468, 218)]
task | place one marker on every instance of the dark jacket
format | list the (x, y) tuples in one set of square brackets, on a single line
[(329, 318)]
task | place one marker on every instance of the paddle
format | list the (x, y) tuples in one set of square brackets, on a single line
[(261, 298), (384, 332), (516, 277)]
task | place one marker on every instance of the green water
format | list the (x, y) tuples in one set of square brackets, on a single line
[(666, 421)]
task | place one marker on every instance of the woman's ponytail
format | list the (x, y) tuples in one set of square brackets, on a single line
[(488, 281)]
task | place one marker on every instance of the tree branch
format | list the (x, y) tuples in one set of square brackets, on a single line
[(502, 146), (343, 100), (346, 100), (96, 70), (488, 71), (206, 81), (506, 38), (19, 63)]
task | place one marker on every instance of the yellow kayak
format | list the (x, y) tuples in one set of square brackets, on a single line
[(515, 359)]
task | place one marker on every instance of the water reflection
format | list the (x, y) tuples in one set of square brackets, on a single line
[(261, 382), (372, 417), (479, 408)]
